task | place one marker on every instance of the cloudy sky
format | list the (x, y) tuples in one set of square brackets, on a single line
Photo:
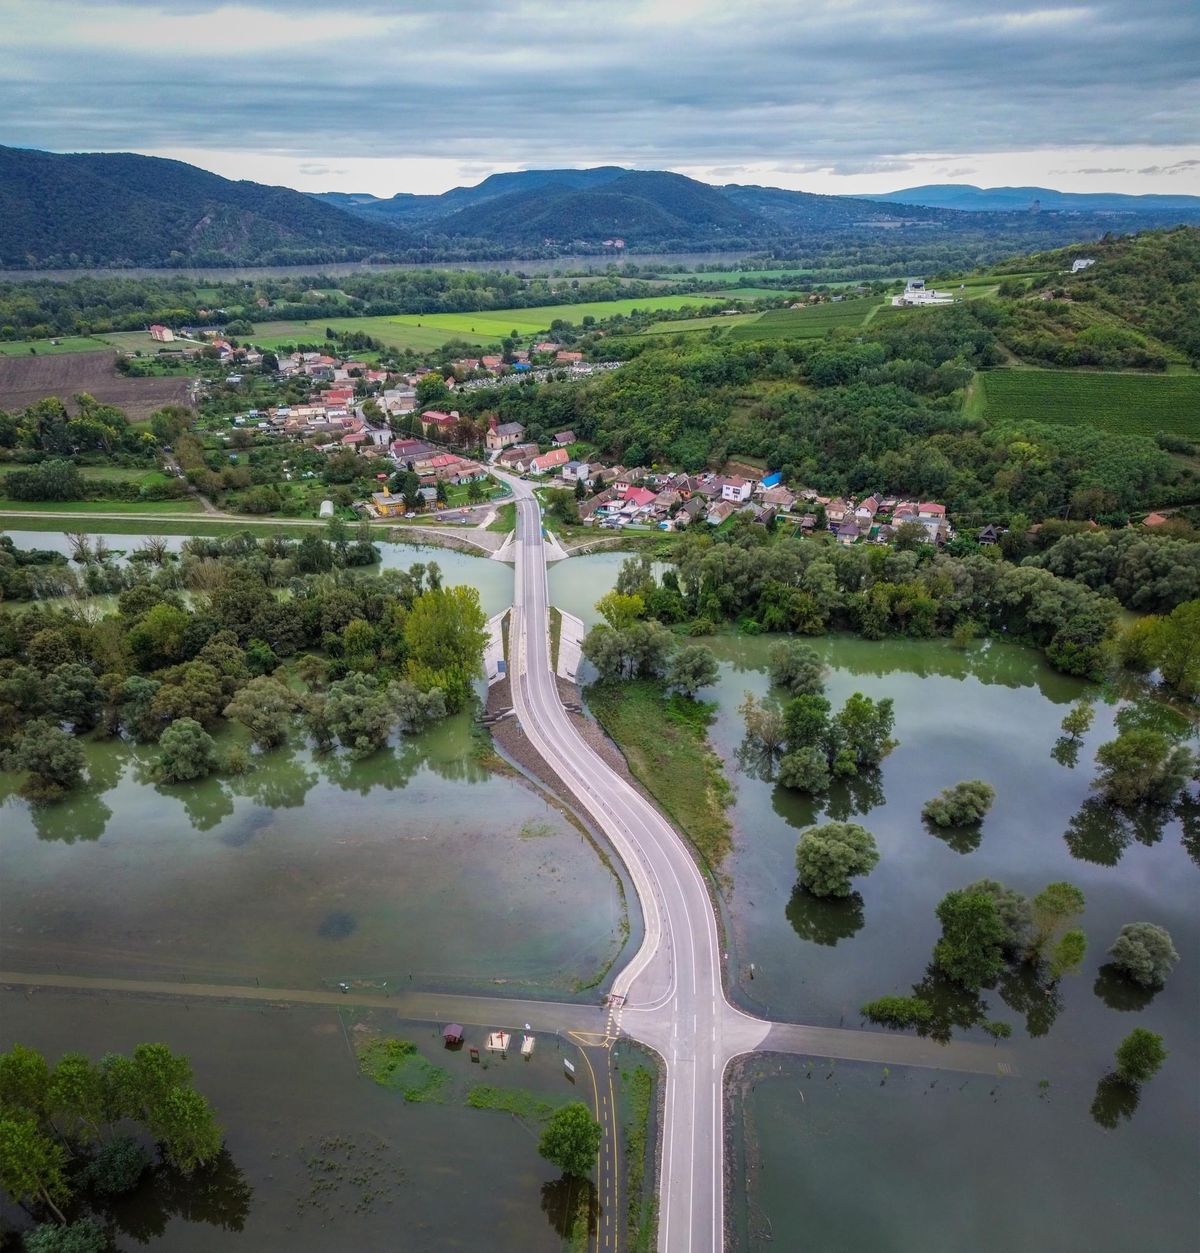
[(824, 95)]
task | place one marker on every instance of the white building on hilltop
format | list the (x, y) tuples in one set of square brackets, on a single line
[(1081, 263), (916, 293)]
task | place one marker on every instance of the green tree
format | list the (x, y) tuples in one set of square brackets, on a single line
[(1177, 648), (32, 1165), (157, 639), (1142, 767), (692, 668), (52, 759), (1145, 953), (1014, 911), (187, 752), (264, 707), (865, 727), (960, 805), (970, 948), (765, 724), (1079, 720), (85, 1235), (621, 611), (1054, 908), (1140, 1055), (74, 695), (1067, 954), (571, 1140), (444, 636), (796, 667), (805, 769), (807, 722), (829, 856), (358, 712)]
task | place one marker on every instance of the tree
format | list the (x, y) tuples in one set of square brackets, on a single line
[(85, 1235), (264, 707), (796, 667), (806, 770), (970, 949), (764, 724), (1140, 1055), (1079, 720), (1067, 954), (1142, 767), (432, 391), (807, 721), (571, 1139), (1053, 909), (692, 668), (960, 805), (620, 610), (829, 856), (358, 713), (32, 1165), (188, 752), (865, 728), (1014, 911), (73, 695), (1145, 953), (52, 759), (444, 637), (1177, 648)]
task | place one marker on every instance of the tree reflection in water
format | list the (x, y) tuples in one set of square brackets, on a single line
[(565, 1200), (1025, 989), (825, 920), (1101, 832), (1115, 1099), (961, 839), (217, 1195), (1120, 992)]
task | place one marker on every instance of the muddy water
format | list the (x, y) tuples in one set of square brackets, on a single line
[(1023, 1168), (309, 870), (319, 1156)]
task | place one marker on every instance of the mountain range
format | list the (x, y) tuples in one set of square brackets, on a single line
[(121, 209)]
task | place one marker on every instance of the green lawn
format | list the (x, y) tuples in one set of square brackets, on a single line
[(47, 347), (189, 504), (1136, 404)]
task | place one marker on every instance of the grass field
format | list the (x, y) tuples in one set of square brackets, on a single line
[(699, 324), (1136, 404), (811, 323), (188, 504)]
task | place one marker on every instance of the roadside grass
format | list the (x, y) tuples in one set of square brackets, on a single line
[(520, 1102), (664, 740), (555, 636), (1132, 404), (505, 519), (637, 1091)]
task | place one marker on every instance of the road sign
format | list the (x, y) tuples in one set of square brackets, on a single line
[(568, 1066)]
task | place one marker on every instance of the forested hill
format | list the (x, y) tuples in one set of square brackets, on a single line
[(121, 209)]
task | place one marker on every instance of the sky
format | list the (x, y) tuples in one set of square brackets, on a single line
[(835, 96)]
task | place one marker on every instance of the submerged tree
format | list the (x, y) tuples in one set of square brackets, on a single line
[(1142, 767), (797, 667), (1145, 953), (970, 950), (187, 752), (1140, 1055), (571, 1140), (961, 805), (829, 856), (52, 758), (1078, 720)]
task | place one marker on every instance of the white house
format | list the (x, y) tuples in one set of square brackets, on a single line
[(1081, 263), (576, 472), (736, 489), (916, 293)]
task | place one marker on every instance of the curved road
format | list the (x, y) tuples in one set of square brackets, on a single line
[(670, 996)]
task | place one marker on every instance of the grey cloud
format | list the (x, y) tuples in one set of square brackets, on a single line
[(315, 168), (1176, 167), (852, 86)]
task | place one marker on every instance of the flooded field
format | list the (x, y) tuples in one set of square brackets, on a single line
[(833, 1167), (318, 1156)]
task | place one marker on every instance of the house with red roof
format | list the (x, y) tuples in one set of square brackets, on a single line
[(549, 461)]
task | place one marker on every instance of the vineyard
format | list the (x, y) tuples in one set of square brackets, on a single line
[(1134, 404), (810, 323)]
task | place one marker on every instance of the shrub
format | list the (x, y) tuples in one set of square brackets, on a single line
[(960, 805), (1145, 953)]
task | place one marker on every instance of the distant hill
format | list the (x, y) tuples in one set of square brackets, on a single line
[(121, 209), (965, 198)]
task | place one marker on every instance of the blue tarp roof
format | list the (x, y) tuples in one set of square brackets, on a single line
[(773, 480)]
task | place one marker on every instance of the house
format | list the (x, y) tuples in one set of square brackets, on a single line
[(518, 456), (916, 293), (493, 363), (576, 472), (720, 511), (808, 522), (551, 460), (564, 438), (163, 334), (771, 480), (387, 505), (848, 533), (836, 510), (930, 509), (736, 489), (864, 515), (546, 345), (692, 510), (780, 497), (504, 435), (1154, 519), (438, 424), (989, 534), (567, 358), (637, 500), (666, 500), (1081, 263)]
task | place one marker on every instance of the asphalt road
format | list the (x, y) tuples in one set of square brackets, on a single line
[(670, 995)]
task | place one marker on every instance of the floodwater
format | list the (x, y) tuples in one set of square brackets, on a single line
[(538, 265), (319, 1157), (832, 1162)]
